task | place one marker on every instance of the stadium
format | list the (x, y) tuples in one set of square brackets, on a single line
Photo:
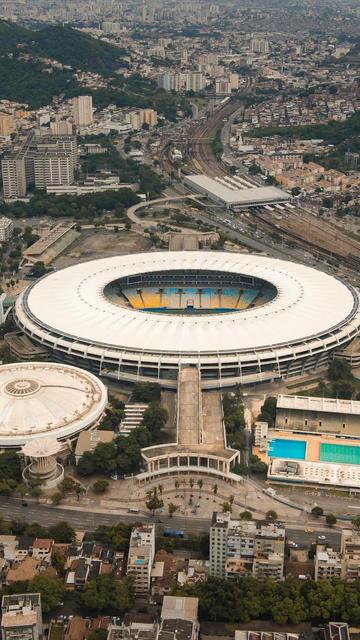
[(238, 318)]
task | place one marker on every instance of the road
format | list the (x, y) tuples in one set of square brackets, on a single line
[(48, 515)]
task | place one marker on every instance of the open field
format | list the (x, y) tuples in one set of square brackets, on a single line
[(102, 243)]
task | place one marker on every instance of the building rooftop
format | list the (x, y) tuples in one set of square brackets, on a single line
[(180, 607), (40, 399), (232, 195), (311, 403)]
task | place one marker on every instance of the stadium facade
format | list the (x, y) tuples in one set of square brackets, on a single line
[(239, 318)]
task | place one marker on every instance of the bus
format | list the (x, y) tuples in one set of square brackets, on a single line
[(173, 533)]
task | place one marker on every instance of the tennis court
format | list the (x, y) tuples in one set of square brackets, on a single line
[(340, 453)]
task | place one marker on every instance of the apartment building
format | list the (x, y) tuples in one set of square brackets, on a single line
[(53, 169), (82, 109), (350, 553), (328, 564), (21, 617), (243, 548), (6, 229), (141, 556), (13, 176), (7, 125), (39, 160)]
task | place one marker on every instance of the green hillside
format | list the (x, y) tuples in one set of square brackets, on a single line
[(29, 82), (64, 44)]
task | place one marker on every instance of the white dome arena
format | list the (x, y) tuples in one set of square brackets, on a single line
[(41, 399), (240, 318)]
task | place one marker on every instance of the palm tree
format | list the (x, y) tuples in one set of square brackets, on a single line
[(177, 484), (191, 482), (160, 487), (215, 490), (231, 500), (200, 485)]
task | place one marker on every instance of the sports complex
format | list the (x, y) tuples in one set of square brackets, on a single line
[(238, 318)]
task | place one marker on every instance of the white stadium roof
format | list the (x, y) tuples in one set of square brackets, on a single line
[(232, 196), (310, 304), (39, 399)]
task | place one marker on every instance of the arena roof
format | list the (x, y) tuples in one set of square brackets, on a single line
[(312, 403), (40, 399), (234, 196), (309, 305)]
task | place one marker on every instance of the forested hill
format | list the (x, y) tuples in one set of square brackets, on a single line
[(64, 44)]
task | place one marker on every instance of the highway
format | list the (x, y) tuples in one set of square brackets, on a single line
[(77, 517)]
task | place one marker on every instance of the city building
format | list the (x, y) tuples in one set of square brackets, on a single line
[(261, 432), (141, 556), (179, 618), (7, 125), (21, 617), (6, 228), (259, 45), (312, 414), (277, 320), (245, 548), (328, 563), (82, 110), (13, 176), (350, 553), (55, 168)]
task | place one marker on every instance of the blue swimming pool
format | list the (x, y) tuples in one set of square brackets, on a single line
[(288, 449)]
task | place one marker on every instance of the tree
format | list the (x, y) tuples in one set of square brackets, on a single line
[(104, 592), (271, 515), (38, 270), (215, 489), (57, 498), (58, 561), (176, 485), (36, 492), (154, 503), (100, 486), (356, 523), (154, 419), (200, 484), (79, 490), (317, 511), (62, 532), (268, 411), (172, 508), (51, 590), (226, 507), (330, 519), (245, 515)]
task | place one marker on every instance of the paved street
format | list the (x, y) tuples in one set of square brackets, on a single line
[(11, 508)]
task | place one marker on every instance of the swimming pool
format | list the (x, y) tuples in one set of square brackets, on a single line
[(341, 453), (288, 449)]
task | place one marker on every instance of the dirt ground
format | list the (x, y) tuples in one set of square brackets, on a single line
[(102, 244)]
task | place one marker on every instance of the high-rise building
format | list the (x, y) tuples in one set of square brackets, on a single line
[(6, 229), (21, 617), (13, 176), (240, 548), (259, 45), (7, 125), (61, 128), (82, 110), (53, 168), (149, 116), (141, 556), (195, 81), (39, 160)]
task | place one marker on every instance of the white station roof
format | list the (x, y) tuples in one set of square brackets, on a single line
[(237, 196), (72, 302), (39, 399)]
